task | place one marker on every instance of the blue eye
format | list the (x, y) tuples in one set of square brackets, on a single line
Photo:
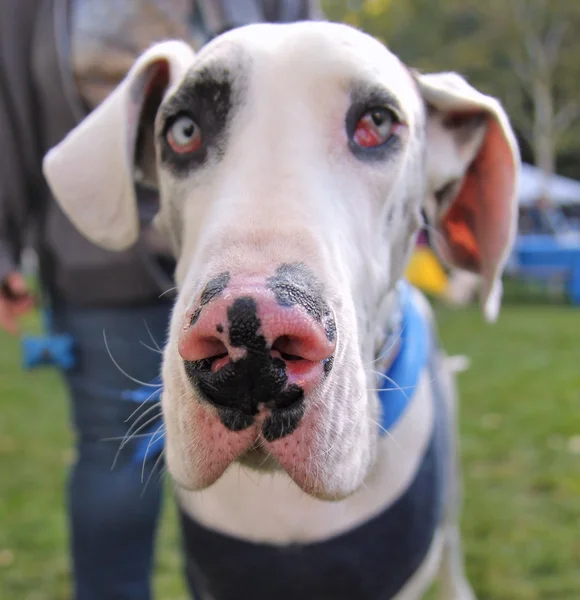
[(184, 135)]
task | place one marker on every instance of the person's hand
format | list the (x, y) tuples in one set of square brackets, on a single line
[(15, 301)]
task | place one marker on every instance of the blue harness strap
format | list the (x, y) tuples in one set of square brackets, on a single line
[(397, 386)]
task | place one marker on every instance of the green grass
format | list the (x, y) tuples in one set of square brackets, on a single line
[(520, 429)]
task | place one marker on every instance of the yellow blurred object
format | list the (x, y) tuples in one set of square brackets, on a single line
[(426, 273)]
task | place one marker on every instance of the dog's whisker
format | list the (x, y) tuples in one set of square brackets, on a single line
[(156, 406), (149, 347), (162, 470), (151, 336), (246, 472), (122, 437), (387, 433), (129, 435), (155, 465), (141, 404), (397, 386), (172, 289), (384, 353), (143, 383), (160, 428), (327, 451), (394, 389)]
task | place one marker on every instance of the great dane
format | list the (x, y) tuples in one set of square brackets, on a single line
[(309, 410)]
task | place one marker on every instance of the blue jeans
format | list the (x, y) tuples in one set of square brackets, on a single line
[(112, 515)]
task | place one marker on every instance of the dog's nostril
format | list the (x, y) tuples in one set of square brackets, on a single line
[(214, 347), (212, 355), (287, 348), (290, 356)]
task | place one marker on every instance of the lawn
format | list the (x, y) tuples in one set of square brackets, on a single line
[(520, 428)]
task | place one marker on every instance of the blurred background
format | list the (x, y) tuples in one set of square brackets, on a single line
[(520, 399)]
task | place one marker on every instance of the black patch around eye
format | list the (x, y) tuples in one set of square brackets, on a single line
[(365, 98), (206, 98)]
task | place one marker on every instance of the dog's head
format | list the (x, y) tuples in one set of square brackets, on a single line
[(293, 163)]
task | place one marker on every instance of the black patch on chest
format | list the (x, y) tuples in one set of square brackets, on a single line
[(240, 387), (295, 284), (211, 291)]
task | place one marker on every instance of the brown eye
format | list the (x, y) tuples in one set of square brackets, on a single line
[(184, 135), (374, 128)]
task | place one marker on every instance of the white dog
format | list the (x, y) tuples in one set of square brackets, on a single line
[(293, 163)]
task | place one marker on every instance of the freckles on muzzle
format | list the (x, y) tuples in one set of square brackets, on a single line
[(255, 347)]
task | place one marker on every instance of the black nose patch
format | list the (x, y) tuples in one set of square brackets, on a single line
[(211, 291), (238, 388), (295, 284)]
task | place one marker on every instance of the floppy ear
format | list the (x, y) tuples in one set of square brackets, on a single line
[(91, 172), (473, 164)]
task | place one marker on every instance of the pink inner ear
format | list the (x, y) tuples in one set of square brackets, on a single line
[(478, 224), (159, 78)]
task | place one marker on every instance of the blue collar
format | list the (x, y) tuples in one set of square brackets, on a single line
[(411, 341), (397, 386)]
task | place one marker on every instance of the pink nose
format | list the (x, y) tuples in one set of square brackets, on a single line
[(250, 346)]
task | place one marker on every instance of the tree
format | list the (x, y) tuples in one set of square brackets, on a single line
[(535, 36)]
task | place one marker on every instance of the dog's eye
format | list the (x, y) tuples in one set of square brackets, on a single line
[(374, 128), (184, 136)]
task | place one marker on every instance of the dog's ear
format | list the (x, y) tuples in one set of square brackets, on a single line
[(473, 165), (91, 172)]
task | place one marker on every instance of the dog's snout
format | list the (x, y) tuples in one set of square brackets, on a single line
[(250, 346)]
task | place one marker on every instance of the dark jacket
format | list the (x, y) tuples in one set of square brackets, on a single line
[(41, 101)]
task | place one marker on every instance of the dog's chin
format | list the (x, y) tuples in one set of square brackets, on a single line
[(200, 449), (259, 459)]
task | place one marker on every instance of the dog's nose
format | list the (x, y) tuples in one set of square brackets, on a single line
[(248, 348)]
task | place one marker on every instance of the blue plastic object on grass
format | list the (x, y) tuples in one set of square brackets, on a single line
[(48, 350)]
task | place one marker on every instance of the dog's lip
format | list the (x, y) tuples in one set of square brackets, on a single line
[(291, 453)]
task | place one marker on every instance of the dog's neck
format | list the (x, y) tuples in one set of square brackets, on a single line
[(387, 336), (403, 355)]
